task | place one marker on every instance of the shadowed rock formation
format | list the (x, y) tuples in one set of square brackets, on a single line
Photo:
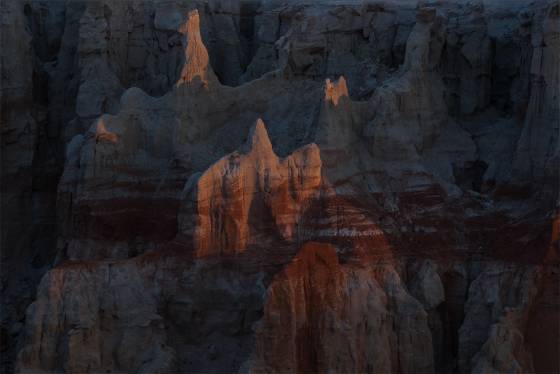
[(280, 186)]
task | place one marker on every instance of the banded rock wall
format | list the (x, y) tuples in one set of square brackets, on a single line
[(394, 208)]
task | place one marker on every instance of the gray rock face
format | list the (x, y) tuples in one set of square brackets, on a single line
[(280, 186)]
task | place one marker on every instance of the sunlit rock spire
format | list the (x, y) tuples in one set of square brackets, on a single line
[(335, 90), (197, 62)]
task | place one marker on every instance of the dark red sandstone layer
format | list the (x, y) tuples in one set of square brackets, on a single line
[(246, 186)]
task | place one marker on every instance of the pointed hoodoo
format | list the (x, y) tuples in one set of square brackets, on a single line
[(101, 132), (246, 195), (258, 140), (424, 44), (197, 61), (335, 90)]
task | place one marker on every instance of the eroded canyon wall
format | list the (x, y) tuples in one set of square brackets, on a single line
[(280, 186)]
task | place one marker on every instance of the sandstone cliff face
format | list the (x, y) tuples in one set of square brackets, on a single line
[(310, 323), (236, 196), (243, 186)]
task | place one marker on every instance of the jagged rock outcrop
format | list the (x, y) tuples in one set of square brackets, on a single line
[(245, 196), (197, 66), (126, 173), (397, 213)]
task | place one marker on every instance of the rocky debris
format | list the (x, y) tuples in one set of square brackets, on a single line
[(366, 225)]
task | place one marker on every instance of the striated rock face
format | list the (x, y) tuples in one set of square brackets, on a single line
[(196, 56), (238, 194), (321, 315), (280, 186), (536, 154), (501, 348), (83, 312)]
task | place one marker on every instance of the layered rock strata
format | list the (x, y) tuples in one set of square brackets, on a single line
[(280, 186)]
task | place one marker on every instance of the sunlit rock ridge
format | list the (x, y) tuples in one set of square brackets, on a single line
[(280, 186)]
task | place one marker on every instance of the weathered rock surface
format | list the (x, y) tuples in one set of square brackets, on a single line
[(280, 186), (321, 316), (238, 194)]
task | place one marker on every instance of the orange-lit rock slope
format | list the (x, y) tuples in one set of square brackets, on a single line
[(280, 187), (237, 195)]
